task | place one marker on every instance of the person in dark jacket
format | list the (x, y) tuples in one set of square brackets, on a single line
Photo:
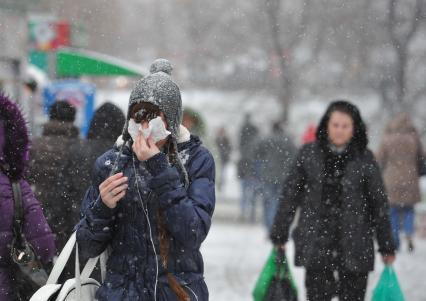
[(105, 126), (151, 202), (14, 144), (337, 185), (51, 175), (224, 146), (274, 154), (248, 133), (247, 170)]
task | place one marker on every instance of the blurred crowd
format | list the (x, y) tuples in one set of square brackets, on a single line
[(328, 175)]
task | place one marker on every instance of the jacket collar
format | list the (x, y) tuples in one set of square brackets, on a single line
[(191, 143), (184, 135)]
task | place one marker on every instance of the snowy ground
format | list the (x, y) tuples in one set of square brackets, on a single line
[(235, 253)]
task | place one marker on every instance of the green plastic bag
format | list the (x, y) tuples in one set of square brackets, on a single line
[(388, 289), (267, 275)]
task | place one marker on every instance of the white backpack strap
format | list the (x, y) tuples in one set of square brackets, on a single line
[(91, 264), (89, 267), (103, 259), (64, 257), (77, 275), (62, 260)]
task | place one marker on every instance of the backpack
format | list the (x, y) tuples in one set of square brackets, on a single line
[(80, 288)]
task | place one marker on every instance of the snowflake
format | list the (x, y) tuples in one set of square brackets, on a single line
[(184, 156)]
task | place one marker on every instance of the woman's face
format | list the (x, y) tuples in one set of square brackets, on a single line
[(143, 113), (340, 128)]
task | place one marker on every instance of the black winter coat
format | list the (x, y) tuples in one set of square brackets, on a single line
[(81, 162), (51, 174), (364, 210), (274, 155), (106, 125)]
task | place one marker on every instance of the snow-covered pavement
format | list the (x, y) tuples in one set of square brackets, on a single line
[(235, 253)]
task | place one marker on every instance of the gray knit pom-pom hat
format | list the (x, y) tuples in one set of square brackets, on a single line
[(159, 89)]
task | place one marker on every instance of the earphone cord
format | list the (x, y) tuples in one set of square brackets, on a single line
[(149, 227)]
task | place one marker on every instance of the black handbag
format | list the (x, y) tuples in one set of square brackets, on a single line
[(28, 273), (281, 287)]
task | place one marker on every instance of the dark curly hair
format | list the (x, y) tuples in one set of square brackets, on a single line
[(16, 141)]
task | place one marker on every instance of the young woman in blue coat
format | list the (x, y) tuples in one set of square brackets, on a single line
[(151, 201)]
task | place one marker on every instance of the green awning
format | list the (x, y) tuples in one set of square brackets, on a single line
[(77, 62)]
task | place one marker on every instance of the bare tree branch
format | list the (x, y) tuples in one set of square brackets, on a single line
[(272, 9), (420, 93), (286, 74), (392, 23), (415, 21), (301, 26)]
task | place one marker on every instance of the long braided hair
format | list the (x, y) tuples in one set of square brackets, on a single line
[(164, 235), (171, 150)]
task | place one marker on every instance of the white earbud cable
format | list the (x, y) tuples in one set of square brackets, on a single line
[(149, 228)]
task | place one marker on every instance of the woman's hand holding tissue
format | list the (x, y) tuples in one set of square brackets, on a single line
[(145, 148)]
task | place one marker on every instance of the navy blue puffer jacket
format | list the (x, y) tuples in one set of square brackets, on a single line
[(132, 264)]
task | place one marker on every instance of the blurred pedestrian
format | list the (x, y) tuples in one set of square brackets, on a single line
[(51, 174), (106, 125), (14, 145), (194, 122), (274, 155), (248, 133), (223, 144), (247, 170), (151, 200), (309, 134), (337, 185), (398, 156)]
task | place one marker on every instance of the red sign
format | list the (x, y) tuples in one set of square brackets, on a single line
[(49, 35)]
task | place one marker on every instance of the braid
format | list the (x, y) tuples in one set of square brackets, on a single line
[(164, 235), (179, 163)]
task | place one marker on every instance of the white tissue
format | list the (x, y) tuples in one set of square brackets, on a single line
[(156, 130), (133, 129)]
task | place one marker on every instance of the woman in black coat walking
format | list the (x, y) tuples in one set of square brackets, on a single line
[(336, 184)]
